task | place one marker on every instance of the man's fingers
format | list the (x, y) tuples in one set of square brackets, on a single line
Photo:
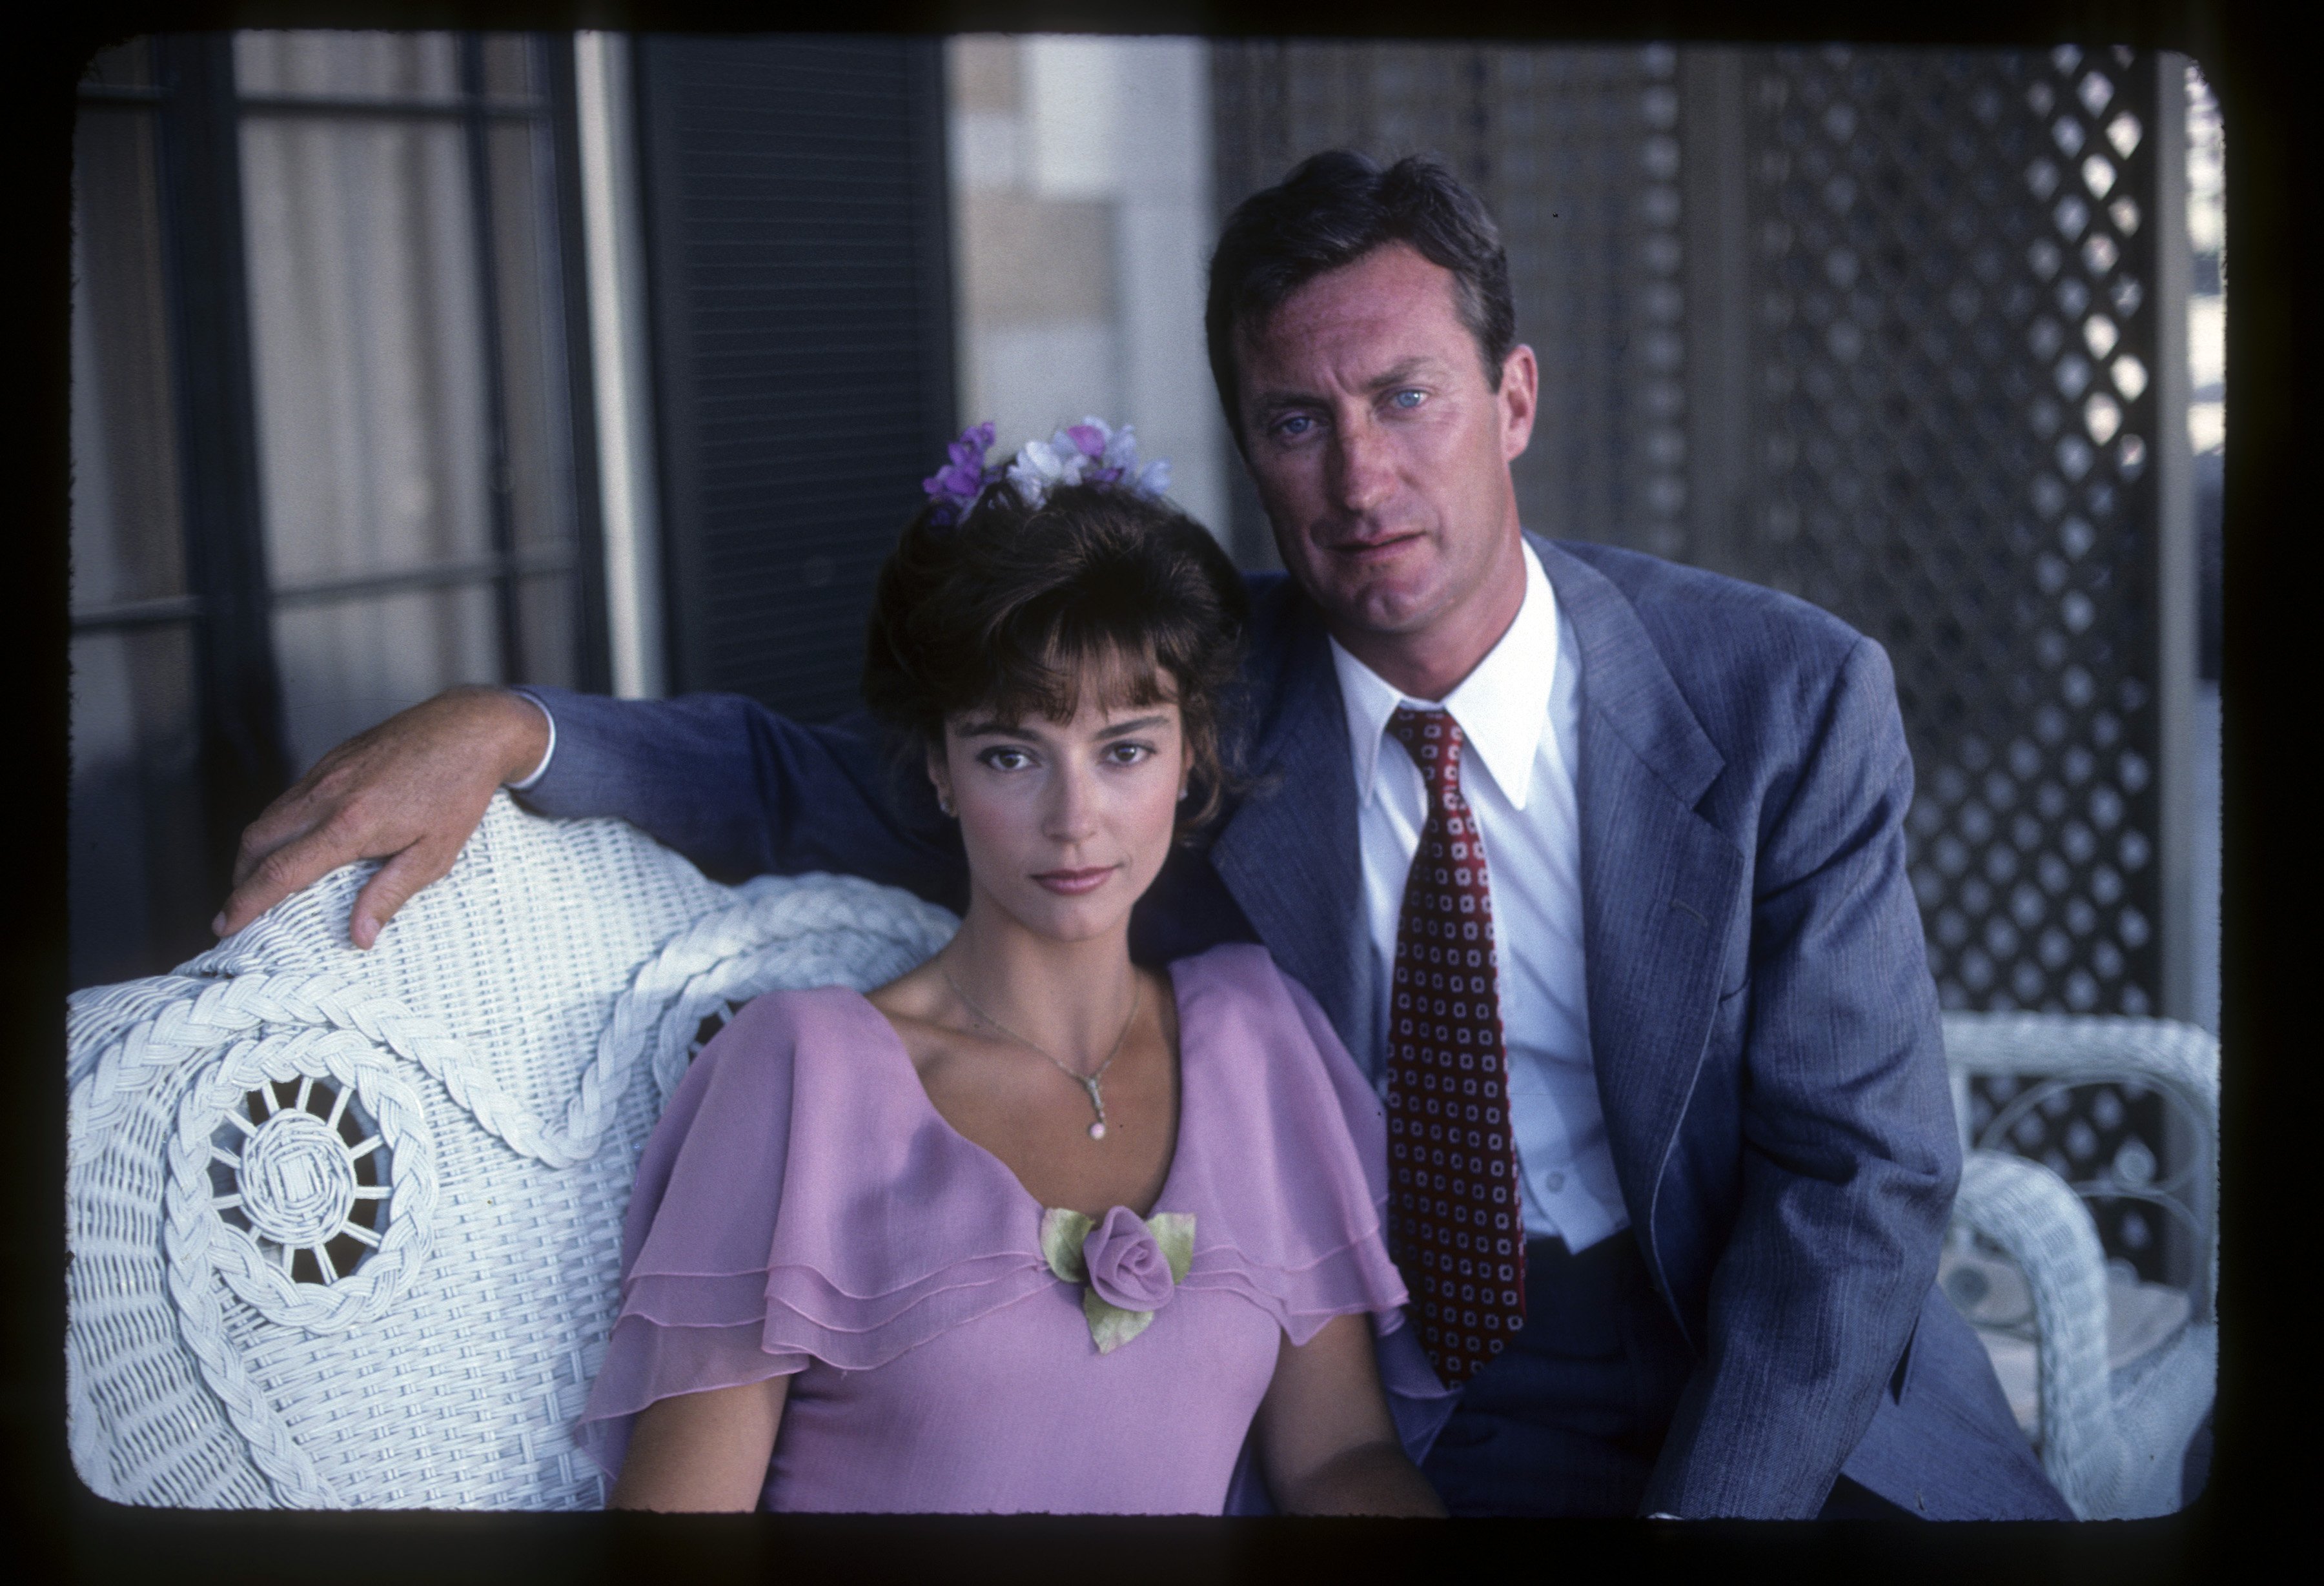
[(392, 886), (275, 876), (285, 820)]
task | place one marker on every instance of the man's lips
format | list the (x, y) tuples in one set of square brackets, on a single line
[(1073, 882), (1375, 550)]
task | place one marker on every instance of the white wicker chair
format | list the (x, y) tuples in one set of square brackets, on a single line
[(344, 1226), (2110, 1377)]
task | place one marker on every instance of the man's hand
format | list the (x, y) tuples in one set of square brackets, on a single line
[(407, 791)]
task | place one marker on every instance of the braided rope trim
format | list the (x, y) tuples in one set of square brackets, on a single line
[(739, 952), (194, 1232), (227, 1010)]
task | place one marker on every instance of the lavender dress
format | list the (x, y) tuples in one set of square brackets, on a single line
[(802, 1209)]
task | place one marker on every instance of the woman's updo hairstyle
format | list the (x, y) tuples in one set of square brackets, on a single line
[(1007, 610)]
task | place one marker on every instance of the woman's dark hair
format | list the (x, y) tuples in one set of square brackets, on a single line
[(1331, 211), (1009, 608)]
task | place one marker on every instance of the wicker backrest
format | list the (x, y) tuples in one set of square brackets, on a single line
[(344, 1226)]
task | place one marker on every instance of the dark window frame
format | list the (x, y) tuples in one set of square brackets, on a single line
[(229, 600)]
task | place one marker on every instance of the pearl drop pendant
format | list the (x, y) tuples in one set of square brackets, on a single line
[(1097, 1132)]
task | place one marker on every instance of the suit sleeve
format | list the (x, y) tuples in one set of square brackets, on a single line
[(1849, 1156), (742, 791)]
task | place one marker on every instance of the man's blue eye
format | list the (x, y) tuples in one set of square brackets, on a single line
[(1295, 425), (1410, 398)]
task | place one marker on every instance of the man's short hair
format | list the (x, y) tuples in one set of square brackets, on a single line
[(1331, 211)]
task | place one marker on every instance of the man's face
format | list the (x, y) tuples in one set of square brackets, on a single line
[(1382, 455)]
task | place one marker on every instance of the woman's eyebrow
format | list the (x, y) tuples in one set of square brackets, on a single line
[(991, 729), (1139, 725)]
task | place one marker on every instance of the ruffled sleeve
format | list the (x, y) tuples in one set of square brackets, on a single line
[(1295, 1164), (791, 1207)]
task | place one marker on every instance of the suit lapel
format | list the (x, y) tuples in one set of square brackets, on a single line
[(1291, 856), (1658, 881)]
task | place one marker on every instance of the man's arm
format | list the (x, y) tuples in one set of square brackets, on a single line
[(1849, 1156), (734, 787)]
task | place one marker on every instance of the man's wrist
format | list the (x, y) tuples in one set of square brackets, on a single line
[(549, 750)]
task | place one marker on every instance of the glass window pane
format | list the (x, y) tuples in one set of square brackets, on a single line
[(334, 65), (511, 68), (545, 607), (368, 344), (127, 542), (138, 898), (348, 664), (532, 335)]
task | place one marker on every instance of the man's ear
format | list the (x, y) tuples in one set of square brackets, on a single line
[(1520, 400)]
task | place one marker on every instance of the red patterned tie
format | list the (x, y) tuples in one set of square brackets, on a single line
[(1457, 1227)]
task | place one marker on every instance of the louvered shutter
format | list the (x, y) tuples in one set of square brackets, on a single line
[(797, 229)]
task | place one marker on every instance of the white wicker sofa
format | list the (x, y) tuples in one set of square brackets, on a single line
[(344, 1226)]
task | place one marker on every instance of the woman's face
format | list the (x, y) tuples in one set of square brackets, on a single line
[(1066, 824)]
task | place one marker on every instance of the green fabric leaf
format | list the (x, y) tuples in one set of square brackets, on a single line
[(1110, 1327), (1174, 1232), (1062, 1233)]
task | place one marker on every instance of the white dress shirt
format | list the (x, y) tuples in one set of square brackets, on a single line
[(1520, 711), (548, 754)]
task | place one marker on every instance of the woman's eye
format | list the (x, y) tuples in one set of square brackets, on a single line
[(1006, 760), (1127, 753)]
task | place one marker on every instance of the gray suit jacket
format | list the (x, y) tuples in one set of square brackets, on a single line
[(1763, 1022)]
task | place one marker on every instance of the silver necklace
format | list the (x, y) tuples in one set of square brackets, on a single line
[(1088, 1082)]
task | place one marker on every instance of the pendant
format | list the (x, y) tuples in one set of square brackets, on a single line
[(1097, 1132), (1097, 1106)]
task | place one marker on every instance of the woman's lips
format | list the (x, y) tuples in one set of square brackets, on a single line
[(1074, 882)]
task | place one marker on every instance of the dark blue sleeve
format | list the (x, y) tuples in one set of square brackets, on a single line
[(1850, 1155), (742, 791)]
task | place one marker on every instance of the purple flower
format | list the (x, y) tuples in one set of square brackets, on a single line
[(1088, 438), (1126, 1264), (958, 481)]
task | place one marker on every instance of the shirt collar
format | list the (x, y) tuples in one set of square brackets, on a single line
[(1502, 705)]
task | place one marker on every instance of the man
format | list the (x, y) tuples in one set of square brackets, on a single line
[(1660, 904)]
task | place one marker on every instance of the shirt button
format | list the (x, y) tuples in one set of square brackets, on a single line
[(1556, 1181)]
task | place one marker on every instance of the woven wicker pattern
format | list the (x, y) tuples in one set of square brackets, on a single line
[(456, 1115), (2112, 1432)]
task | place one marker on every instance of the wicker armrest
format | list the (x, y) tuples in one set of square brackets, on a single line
[(2045, 1229)]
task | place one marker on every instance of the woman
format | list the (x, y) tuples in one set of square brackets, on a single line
[(1031, 1228)]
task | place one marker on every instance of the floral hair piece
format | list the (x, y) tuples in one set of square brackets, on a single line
[(1091, 452)]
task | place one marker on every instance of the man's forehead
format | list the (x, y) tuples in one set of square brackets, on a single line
[(1381, 317)]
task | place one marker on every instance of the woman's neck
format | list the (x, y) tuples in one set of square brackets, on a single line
[(1068, 998)]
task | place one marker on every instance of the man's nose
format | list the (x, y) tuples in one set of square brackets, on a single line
[(1363, 475)]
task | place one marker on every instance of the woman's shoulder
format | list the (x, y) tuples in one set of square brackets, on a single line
[(1236, 995), (1246, 976), (770, 1037)]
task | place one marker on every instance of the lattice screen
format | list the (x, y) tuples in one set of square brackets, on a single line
[(1955, 350)]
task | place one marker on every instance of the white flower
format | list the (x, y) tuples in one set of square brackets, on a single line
[(1041, 467), (1067, 458)]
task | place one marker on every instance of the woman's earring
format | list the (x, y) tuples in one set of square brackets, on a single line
[(944, 802), (1182, 794)]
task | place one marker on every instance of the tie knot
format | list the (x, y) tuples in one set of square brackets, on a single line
[(1434, 739)]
